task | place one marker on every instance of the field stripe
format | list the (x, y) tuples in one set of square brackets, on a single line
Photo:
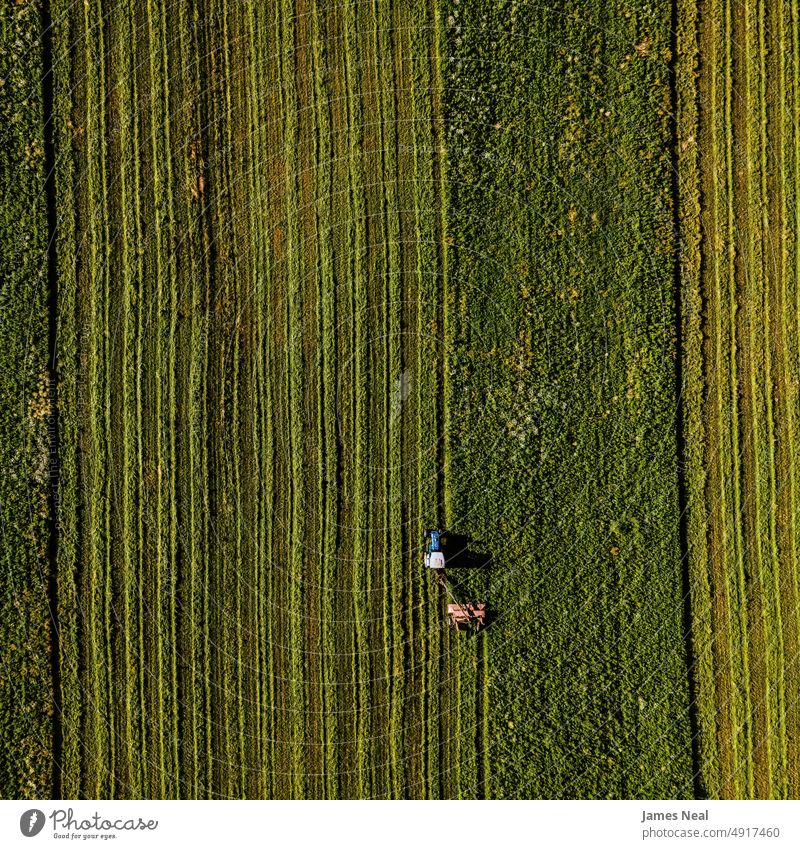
[(789, 310), (256, 783), (343, 227), (751, 358), (257, 335), (328, 456), (171, 719), (209, 697), (104, 391), (427, 507), (117, 410), (694, 367), (33, 256), (396, 92), (304, 72), (96, 767), (782, 460), (773, 625), (69, 509), (139, 135), (408, 663), (274, 434), (360, 435), (297, 488), (748, 293)]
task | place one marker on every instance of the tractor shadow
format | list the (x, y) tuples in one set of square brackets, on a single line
[(460, 554)]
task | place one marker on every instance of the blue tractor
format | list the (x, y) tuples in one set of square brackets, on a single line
[(434, 556)]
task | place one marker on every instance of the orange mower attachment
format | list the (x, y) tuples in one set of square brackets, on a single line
[(473, 613)]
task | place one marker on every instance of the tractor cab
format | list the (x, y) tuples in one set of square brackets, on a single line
[(434, 556)]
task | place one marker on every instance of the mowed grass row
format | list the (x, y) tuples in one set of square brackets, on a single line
[(562, 400), (250, 250), (26, 415), (738, 168)]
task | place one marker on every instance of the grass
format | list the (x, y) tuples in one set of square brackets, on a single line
[(26, 415), (737, 161), (563, 402)]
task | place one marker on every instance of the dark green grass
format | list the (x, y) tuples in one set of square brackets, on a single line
[(25, 689), (562, 396)]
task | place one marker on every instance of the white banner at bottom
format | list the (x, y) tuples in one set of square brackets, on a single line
[(384, 825)]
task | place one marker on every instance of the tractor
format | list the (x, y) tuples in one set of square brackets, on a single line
[(472, 614), (434, 556)]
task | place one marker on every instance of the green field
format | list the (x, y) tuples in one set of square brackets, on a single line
[(325, 275)]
